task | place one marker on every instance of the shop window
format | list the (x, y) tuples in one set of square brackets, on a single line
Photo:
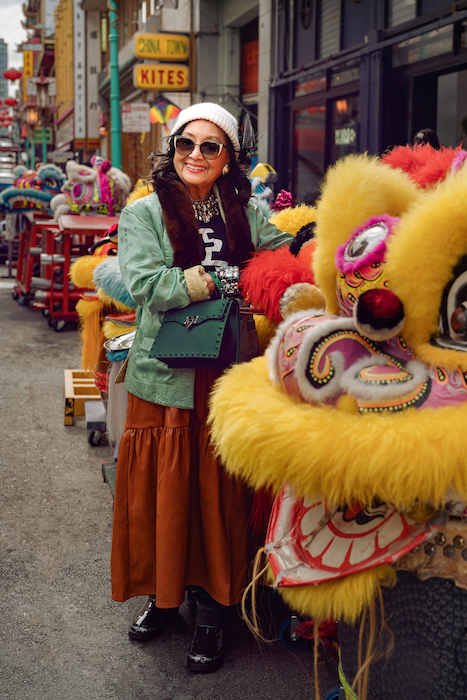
[(464, 35), (309, 133), (345, 73), (451, 117), (421, 47), (329, 28), (311, 85), (400, 11), (345, 126)]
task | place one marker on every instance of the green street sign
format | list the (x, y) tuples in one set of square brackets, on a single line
[(48, 135)]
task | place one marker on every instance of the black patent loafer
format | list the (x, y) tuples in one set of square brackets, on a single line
[(206, 652), (150, 621)]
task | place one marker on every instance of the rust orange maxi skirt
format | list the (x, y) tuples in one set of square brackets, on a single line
[(179, 518)]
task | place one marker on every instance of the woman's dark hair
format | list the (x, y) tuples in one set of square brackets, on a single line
[(163, 168), (426, 136)]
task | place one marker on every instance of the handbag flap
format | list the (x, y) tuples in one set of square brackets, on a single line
[(200, 310)]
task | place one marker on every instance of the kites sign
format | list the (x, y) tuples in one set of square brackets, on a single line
[(161, 76), (162, 47)]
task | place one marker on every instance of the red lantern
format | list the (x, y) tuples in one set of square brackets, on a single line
[(11, 101), (12, 74)]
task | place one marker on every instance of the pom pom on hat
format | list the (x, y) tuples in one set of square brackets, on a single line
[(212, 113)]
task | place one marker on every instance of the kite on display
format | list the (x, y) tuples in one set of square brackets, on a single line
[(161, 111)]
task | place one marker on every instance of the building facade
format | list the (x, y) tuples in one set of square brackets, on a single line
[(319, 78), (362, 75)]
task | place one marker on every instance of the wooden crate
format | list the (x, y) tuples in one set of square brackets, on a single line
[(79, 387)]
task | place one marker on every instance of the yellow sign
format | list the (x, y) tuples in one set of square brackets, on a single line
[(163, 47), (160, 76), (28, 69)]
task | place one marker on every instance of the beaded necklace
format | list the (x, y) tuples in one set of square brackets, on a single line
[(204, 211)]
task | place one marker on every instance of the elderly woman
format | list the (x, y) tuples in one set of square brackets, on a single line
[(180, 522)]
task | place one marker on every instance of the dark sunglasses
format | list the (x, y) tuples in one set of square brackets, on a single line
[(208, 149)]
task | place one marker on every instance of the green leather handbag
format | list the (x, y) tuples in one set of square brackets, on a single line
[(205, 334)]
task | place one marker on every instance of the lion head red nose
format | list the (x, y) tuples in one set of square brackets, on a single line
[(379, 314)]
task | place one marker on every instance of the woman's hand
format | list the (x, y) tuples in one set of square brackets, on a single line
[(210, 282)]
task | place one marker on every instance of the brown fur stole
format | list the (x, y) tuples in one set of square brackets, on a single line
[(182, 227)]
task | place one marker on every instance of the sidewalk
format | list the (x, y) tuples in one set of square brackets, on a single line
[(62, 637)]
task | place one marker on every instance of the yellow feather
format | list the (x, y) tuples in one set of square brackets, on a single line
[(292, 219), (92, 337), (265, 330), (111, 330), (141, 189), (81, 270), (342, 599)]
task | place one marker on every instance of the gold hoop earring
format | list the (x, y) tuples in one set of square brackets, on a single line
[(225, 169)]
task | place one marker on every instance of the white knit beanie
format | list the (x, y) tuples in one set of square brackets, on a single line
[(212, 113)]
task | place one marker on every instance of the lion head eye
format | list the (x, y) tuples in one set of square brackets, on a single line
[(452, 325), (459, 320), (366, 241)]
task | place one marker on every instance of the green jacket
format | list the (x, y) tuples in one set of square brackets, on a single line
[(146, 256)]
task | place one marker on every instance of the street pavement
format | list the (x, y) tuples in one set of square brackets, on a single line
[(62, 637)]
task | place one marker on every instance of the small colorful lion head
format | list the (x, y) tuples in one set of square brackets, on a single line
[(100, 189)]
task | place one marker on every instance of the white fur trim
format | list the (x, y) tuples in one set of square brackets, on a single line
[(197, 286), (212, 113)]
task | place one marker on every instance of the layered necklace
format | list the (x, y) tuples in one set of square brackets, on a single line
[(204, 211)]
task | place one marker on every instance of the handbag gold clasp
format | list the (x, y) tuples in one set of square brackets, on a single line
[(190, 321)]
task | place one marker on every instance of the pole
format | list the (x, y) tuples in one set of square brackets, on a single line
[(115, 125), (26, 148), (32, 164), (44, 141)]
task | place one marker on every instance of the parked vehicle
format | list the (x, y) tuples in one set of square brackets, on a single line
[(4, 251), (8, 160)]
